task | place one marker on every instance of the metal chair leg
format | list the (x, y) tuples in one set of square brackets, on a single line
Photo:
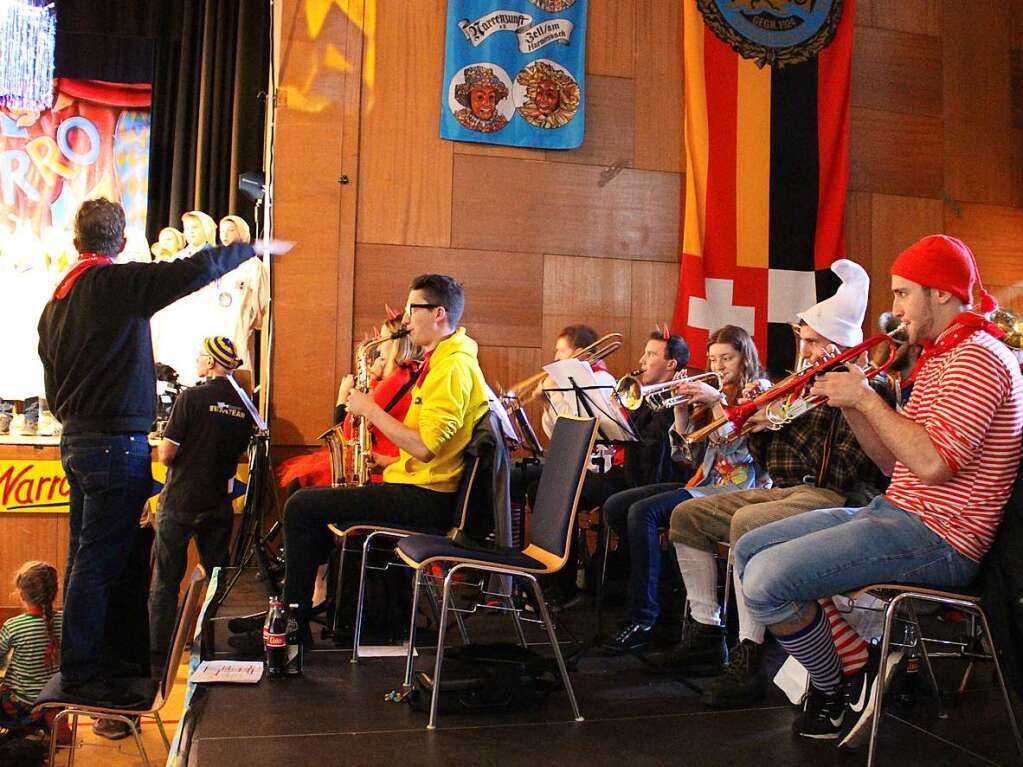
[(336, 627), (431, 592), (516, 620), (435, 698), (728, 591), (54, 726), (138, 742), (163, 732), (554, 643), (412, 629), (932, 678), (1001, 683), (361, 598), (886, 641), (74, 741)]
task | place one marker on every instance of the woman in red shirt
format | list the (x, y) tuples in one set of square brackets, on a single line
[(392, 377)]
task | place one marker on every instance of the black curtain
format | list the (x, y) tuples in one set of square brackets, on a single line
[(209, 63)]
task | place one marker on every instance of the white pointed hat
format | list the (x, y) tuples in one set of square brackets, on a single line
[(840, 317)]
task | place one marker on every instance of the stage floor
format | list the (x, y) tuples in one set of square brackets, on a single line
[(337, 714)]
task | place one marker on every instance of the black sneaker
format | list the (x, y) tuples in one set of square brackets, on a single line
[(741, 683), (702, 651), (860, 690), (631, 636), (823, 715), (115, 729)]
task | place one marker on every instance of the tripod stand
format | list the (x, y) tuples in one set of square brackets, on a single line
[(251, 542)]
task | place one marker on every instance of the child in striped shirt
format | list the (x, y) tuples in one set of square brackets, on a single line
[(32, 640)]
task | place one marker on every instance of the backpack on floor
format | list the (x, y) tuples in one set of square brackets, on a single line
[(487, 677)]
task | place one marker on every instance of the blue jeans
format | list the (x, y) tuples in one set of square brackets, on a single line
[(637, 515), (110, 479), (791, 562)]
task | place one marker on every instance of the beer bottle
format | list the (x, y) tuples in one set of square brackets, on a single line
[(295, 651)]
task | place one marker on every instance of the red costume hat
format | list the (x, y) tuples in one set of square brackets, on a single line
[(944, 263)]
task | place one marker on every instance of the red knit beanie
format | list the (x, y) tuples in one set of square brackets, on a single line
[(945, 263)]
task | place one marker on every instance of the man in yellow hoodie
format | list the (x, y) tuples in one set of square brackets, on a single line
[(419, 485)]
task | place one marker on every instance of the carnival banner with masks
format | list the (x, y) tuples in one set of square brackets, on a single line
[(514, 72), (767, 158)]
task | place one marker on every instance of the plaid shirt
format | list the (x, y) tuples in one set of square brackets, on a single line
[(794, 454)]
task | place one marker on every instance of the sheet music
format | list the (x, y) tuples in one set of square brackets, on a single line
[(575, 380), (497, 408), (238, 671)]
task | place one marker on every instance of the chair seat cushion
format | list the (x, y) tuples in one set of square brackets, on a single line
[(54, 694), (420, 549)]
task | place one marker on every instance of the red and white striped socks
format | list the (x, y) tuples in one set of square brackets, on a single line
[(852, 650)]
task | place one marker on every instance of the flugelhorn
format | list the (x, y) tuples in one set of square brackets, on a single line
[(792, 387), (631, 393), (525, 391)]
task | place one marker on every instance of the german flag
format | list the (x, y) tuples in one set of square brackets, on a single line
[(767, 165)]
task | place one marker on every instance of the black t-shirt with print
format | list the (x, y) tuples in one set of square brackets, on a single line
[(211, 427)]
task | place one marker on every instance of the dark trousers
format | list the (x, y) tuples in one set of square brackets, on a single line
[(637, 515), (110, 479), (307, 542), (212, 533)]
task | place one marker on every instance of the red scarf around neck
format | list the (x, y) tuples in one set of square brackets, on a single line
[(86, 261), (961, 328)]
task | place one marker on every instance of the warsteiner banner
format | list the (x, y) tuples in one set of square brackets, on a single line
[(514, 72), (767, 165)]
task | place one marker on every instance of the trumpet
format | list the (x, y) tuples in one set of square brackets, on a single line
[(790, 390), (631, 394), (525, 391), (350, 458)]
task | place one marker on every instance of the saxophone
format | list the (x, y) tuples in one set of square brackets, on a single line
[(350, 458)]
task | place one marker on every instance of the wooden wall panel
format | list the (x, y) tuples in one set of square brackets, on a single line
[(976, 44), (1016, 9), (595, 291), (609, 135), (654, 287), (504, 366), (995, 234), (897, 223), (858, 224), (659, 87), (25, 537), (503, 291), (609, 38), (897, 72), (305, 282), (404, 166), (918, 16), (564, 208), (895, 153)]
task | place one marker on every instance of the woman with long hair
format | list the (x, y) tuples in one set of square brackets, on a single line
[(392, 375), (638, 514)]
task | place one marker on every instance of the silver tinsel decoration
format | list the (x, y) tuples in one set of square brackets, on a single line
[(27, 37)]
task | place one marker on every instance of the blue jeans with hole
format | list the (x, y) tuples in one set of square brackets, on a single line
[(637, 515), (792, 562), (110, 479)]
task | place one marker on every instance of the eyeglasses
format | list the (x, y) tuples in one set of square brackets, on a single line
[(410, 307)]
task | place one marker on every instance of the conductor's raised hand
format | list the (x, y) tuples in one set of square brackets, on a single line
[(272, 247)]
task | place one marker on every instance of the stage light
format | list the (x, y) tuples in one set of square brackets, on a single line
[(252, 185), (28, 33)]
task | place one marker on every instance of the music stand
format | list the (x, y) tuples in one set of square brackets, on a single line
[(251, 542)]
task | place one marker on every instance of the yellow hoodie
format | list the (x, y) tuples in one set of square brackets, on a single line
[(445, 407)]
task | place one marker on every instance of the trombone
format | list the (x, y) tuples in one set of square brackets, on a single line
[(527, 390), (631, 393), (792, 387)]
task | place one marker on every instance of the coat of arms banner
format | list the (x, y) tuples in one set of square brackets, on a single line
[(514, 72)]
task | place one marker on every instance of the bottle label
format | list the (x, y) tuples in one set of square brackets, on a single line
[(276, 640)]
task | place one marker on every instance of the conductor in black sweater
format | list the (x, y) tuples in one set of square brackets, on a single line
[(97, 355)]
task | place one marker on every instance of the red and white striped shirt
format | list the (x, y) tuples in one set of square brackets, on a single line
[(970, 400)]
